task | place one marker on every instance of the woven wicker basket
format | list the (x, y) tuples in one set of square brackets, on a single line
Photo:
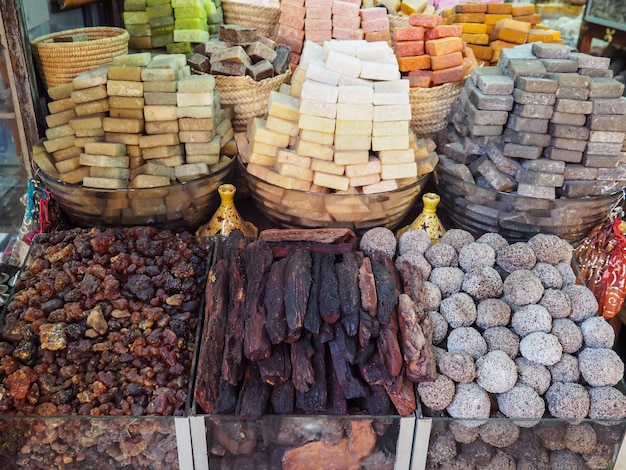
[(430, 107), (59, 62), (263, 19), (248, 97)]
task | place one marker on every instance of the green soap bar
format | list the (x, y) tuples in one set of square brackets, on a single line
[(210, 7), (162, 21), (190, 35), (187, 3), (135, 17), (134, 5), (217, 18), (179, 48), (162, 30), (139, 29), (159, 10), (189, 12), (214, 29), (151, 3), (162, 40), (191, 23), (139, 59)]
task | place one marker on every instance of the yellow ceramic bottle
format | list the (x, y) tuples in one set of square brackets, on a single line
[(428, 220), (227, 218)]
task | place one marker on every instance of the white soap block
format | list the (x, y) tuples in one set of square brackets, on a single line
[(291, 157), (391, 98), (392, 112), (355, 112), (398, 170), (312, 149), (353, 127), (353, 142), (345, 80), (343, 63), (390, 142), (348, 47), (390, 128), (319, 91), (371, 167), (310, 51), (316, 123), (356, 94), (392, 86), (379, 70), (351, 157), (324, 138), (325, 166), (374, 51), (318, 108), (380, 187), (317, 72), (195, 99), (390, 157)]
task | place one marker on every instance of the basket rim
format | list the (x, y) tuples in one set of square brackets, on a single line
[(117, 34)]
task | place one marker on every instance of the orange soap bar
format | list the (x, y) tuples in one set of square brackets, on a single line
[(408, 33), (427, 21), (409, 48), (469, 18), (481, 52), (443, 46), (499, 8), (420, 62), (499, 45), (471, 8), (438, 62), (482, 39), (448, 75), (374, 36), (532, 19), (443, 31), (522, 9), (539, 35), (511, 35), (422, 81), (493, 18)]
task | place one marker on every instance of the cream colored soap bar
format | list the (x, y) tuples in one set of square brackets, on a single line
[(139, 59), (109, 172), (373, 166), (358, 94), (161, 127), (151, 168), (58, 119), (259, 133), (157, 140), (89, 94), (161, 86), (283, 106), (60, 105), (106, 148), (144, 180), (379, 70), (163, 151), (134, 126), (92, 107), (155, 98), (312, 149), (172, 161), (124, 73), (397, 112), (84, 123), (208, 159), (316, 123), (196, 136), (352, 142), (198, 112), (195, 99), (380, 187), (67, 153), (325, 166), (318, 108), (160, 113), (355, 111), (391, 98), (283, 126), (61, 92), (191, 171), (190, 124), (340, 183), (125, 88), (104, 183), (291, 157), (262, 159), (319, 91), (287, 169), (91, 78), (323, 138), (390, 157), (398, 170), (398, 128), (357, 181), (351, 127), (351, 157), (158, 74), (390, 142), (126, 102), (82, 141), (392, 86), (107, 161), (263, 148), (203, 148), (59, 131), (58, 144), (70, 164), (197, 84), (122, 138)]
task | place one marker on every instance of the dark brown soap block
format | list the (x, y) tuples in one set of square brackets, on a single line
[(527, 138), (282, 60), (228, 68), (261, 70), (237, 34), (600, 161), (579, 172), (208, 48), (199, 62)]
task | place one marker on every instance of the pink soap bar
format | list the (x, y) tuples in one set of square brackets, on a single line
[(408, 33), (346, 22), (368, 14), (293, 43), (340, 33), (315, 24), (319, 36), (318, 3), (289, 32), (318, 12), (299, 3), (377, 24), (292, 21), (443, 31), (292, 10), (341, 7), (427, 21), (408, 48)]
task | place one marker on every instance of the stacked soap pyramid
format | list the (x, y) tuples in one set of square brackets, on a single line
[(149, 23), (341, 126), (195, 21), (546, 122)]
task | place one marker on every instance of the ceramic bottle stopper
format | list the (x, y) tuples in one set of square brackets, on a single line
[(227, 218), (428, 220)]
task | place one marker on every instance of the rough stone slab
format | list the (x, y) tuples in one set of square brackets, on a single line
[(522, 151), (607, 122), (523, 51), (487, 102), (605, 87), (572, 93), (539, 178), (601, 161), (482, 117), (458, 169), (456, 151), (612, 174), (568, 156), (527, 138), (533, 111), (579, 172), (609, 106), (576, 189), (496, 179), (524, 68), (526, 97), (536, 191), (560, 65), (569, 119), (604, 148), (537, 85), (563, 105), (569, 132), (607, 136), (492, 84), (591, 61), (569, 144), (544, 165), (571, 79), (520, 124), (478, 130), (508, 166), (551, 51), (595, 72)]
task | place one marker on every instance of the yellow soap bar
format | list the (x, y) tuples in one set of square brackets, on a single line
[(283, 106), (473, 28), (326, 166), (398, 170), (513, 25), (522, 9), (259, 133), (481, 39), (287, 169), (312, 149), (340, 183), (469, 18), (511, 35), (493, 18)]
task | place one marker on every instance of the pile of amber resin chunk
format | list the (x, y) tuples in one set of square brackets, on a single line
[(103, 323)]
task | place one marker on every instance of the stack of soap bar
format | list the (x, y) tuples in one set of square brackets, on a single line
[(343, 127), (108, 165), (150, 23), (215, 16), (192, 27), (538, 126), (375, 24), (430, 53), (346, 22), (290, 29)]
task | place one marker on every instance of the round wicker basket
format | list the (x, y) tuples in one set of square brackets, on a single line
[(248, 97), (262, 18), (430, 107), (59, 61)]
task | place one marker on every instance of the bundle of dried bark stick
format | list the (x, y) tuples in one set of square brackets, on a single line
[(298, 321)]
